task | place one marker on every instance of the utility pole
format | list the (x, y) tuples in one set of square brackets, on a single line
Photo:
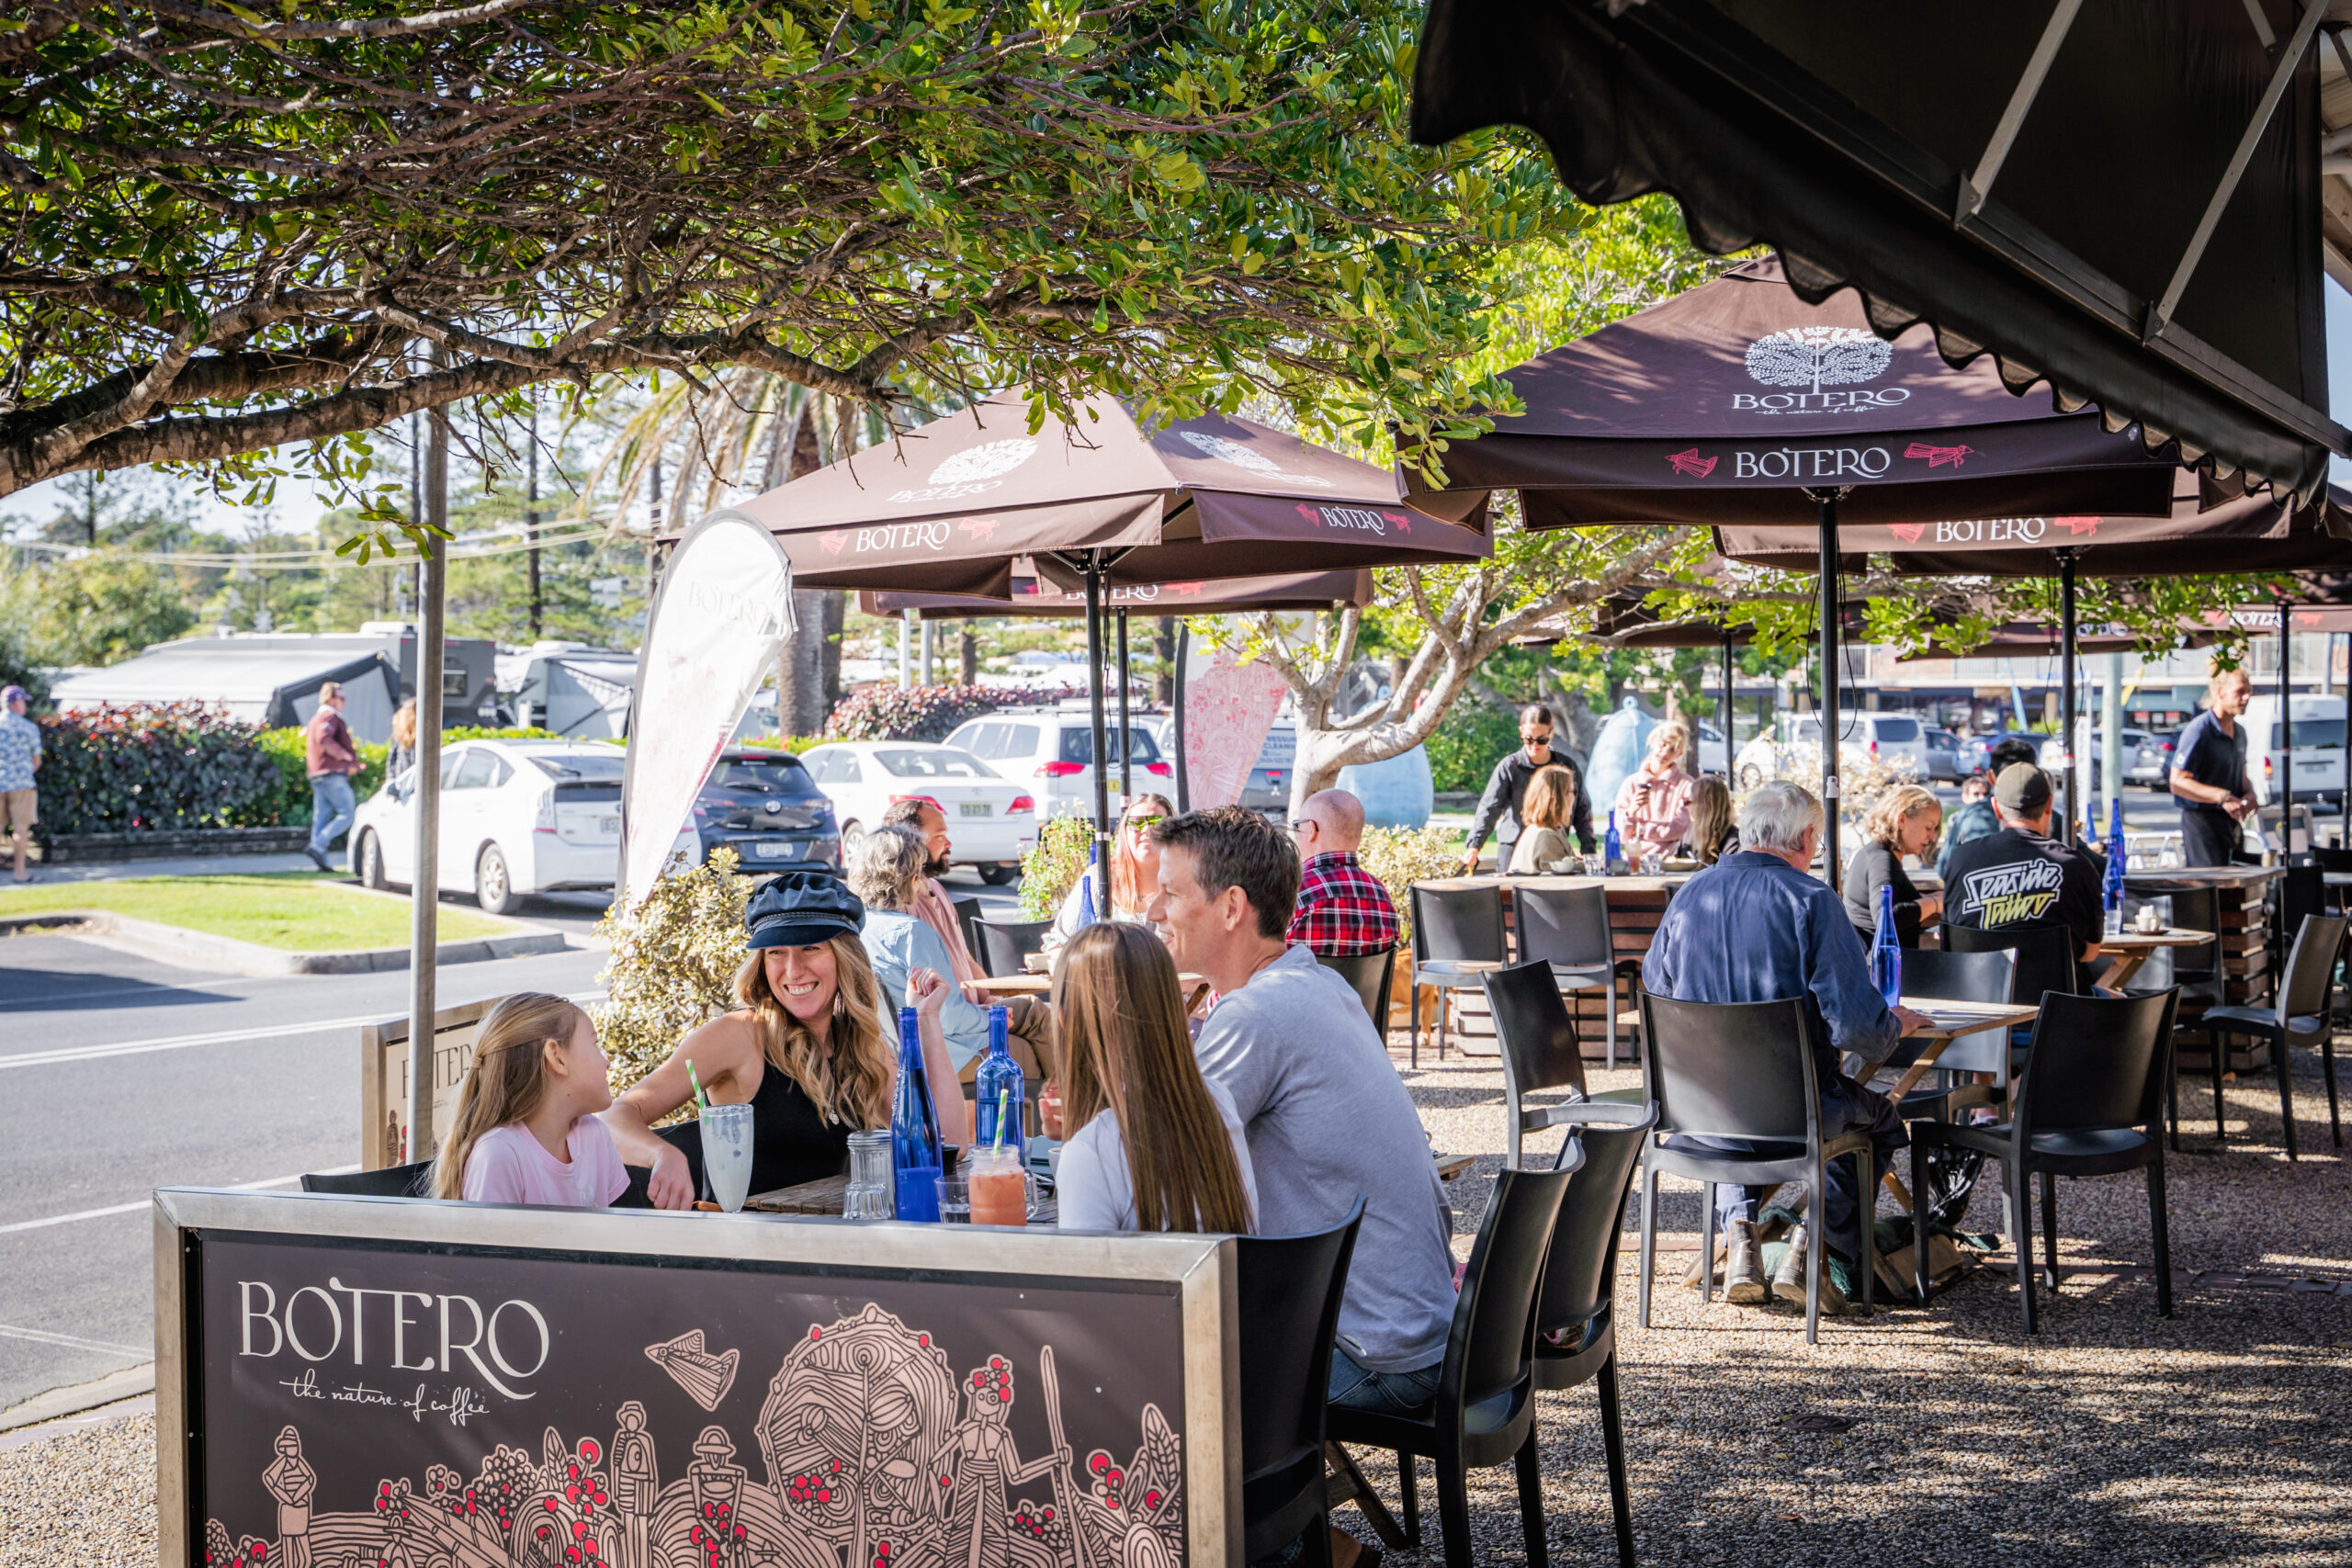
[(417, 516), (531, 521), (425, 883), (653, 531)]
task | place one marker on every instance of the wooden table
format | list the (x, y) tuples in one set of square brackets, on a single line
[(2154, 881), (824, 1196), (1196, 988), (2133, 949), (1947, 1021)]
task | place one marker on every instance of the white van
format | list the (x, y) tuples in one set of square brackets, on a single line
[(2318, 724)]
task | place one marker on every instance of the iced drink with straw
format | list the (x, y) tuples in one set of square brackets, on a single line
[(999, 1187)]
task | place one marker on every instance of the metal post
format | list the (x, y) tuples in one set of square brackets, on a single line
[(2111, 756), (1102, 769), (1827, 657), (1183, 651), (906, 648), (2286, 738), (425, 882), (2074, 792), (1731, 740), (1126, 743), (929, 635), (531, 526)]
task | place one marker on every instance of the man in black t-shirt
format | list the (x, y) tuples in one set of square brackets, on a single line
[(2209, 774), (2020, 877)]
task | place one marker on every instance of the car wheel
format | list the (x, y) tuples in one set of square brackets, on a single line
[(852, 833), (371, 862), (1751, 776), (493, 888), (997, 876)]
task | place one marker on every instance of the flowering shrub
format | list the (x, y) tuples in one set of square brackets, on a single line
[(1861, 778), (928, 713), (673, 965), (153, 767), (1054, 865), (1398, 857)]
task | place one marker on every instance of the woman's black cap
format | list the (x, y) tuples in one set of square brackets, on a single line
[(801, 908)]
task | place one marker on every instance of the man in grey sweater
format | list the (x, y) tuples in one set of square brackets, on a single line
[(1327, 1116)]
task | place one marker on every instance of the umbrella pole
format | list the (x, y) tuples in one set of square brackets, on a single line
[(1731, 743), (1183, 654), (2066, 676), (1127, 742), (1827, 659), (1101, 855), (2286, 740)]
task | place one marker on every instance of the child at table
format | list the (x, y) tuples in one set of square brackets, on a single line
[(524, 1129)]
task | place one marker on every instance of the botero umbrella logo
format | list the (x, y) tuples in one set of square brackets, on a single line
[(1812, 358), (973, 472), (1226, 450)]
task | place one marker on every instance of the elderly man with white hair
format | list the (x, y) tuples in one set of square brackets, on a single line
[(1758, 927)]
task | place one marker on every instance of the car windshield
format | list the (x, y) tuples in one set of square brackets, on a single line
[(571, 767), (1896, 729), (942, 763), (1078, 745), (768, 776)]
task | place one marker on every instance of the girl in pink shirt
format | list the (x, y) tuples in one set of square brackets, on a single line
[(524, 1129), (1654, 803)]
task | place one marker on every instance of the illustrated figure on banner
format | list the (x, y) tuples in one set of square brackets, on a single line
[(636, 1486), (975, 1464), (292, 1483)]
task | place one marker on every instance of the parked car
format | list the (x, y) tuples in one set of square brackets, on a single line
[(1268, 789), (2154, 766), (1893, 740), (762, 804), (992, 820), (2319, 764), (517, 818), (2144, 760), (1051, 751), (1943, 754)]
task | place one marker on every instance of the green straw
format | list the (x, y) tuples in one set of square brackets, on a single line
[(702, 1100), (1004, 1098)]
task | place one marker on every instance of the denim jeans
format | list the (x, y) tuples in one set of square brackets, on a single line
[(1388, 1394), (1846, 1107), (331, 808)]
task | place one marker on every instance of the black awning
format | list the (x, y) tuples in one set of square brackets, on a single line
[(2058, 219)]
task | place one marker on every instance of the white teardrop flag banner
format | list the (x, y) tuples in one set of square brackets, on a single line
[(723, 613)]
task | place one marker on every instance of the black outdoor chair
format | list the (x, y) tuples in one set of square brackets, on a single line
[(2089, 1103), (1540, 1051), (1485, 1410), (393, 1181), (2195, 970), (968, 916), (1287, 1293), (2046, 959), (2301, 1017), (1743, 1070), (1457, 936), (2334, 863), (2301, 891), (1368, 976), (1575, 1313), (1987, 977), (1005, 943), (1567, 928)]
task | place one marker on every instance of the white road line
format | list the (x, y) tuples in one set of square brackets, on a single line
[(72, 1341), (111, 1209)]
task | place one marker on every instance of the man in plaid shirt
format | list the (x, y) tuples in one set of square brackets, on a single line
[(1342, 911)]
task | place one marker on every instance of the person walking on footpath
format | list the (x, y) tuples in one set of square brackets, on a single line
[(2209, 774), (330, 758), (19, 763), (1499, 809)]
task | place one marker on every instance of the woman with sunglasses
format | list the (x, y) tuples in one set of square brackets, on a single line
[(1135, 870)]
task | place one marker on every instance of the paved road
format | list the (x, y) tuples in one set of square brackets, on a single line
[(118, 1075)]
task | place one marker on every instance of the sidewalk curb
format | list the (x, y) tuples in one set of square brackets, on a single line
[(128, 1383), (206, 950)]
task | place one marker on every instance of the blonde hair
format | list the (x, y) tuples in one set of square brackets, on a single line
[(1127, 891), (1712, 818), (849, 1074), (886, 866), (1674, 730), (404, 724), (1898, 806), (507, 1079), (1551, 798), (1125, 1049)]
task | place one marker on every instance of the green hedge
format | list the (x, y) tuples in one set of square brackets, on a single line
[(1468, 743), (157, 767), (291, 804)]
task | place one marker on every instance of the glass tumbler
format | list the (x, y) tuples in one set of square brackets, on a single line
[(869, 1194)]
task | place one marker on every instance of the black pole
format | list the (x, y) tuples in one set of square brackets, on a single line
[(1183, 651), (1731, 744), (2066, 696), (2286, 740), (1126, 744), (1827, 660), (1102, 857)]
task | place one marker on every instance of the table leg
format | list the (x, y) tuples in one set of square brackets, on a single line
[(2126, 966), (1347, 1484)]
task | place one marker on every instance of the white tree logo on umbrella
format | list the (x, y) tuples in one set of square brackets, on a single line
[(1818, 356), (984, 461)]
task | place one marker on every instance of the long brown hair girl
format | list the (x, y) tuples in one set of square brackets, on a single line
[(1125, 1049), (506, 1080)]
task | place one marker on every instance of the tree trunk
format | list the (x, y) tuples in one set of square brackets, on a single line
[(967, 655), (829, 654), (801, 703), (1164, 649)]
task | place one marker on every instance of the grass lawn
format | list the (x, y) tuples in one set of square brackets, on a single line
[(294, 911)]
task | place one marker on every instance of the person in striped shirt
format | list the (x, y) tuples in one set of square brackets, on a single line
[(1343, 912)]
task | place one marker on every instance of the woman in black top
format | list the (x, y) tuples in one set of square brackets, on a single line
[(809, 1049), (1905, 823)]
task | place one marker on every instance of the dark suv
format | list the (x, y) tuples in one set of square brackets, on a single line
[(761, 803)]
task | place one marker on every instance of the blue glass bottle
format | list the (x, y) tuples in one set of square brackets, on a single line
[(1886, 949), (998, 1081), (1613, 849), (1086, 911), (2115, 857), (914, 1129)]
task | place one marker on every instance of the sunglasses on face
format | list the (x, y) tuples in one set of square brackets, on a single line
[(1542, 739), (1145, 821)]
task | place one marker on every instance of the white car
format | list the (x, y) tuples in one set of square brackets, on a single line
[(1892, 739), (517, 818), (1052, 751), (991, 820)]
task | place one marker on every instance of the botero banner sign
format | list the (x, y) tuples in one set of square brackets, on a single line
[(403, 1384)]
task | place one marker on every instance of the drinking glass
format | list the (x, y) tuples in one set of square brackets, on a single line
[(727, 1153), (998, 1185), (869, 1195), (955, 1198)]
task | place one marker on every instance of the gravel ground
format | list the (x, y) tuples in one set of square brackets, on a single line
[(2112, 1437)]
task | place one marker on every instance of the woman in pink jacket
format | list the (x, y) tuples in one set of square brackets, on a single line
[(1654, 803)]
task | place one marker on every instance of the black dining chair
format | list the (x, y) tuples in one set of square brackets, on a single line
[(2302, 1015), (2045, 960), (393, 1181), (1457, 936), (1004, 944), (2301, 891), (2334, 863), (1567, 928), (1743, 1070), (1987, 977), (1540, 1051), (968, 916), (1369, 977), (1287, 1290), (1485, 1410), (2089, 1103), (1576, 1306)]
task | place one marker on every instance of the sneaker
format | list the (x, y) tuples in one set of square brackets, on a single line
[(1788, 1279), (1743, 1279)]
